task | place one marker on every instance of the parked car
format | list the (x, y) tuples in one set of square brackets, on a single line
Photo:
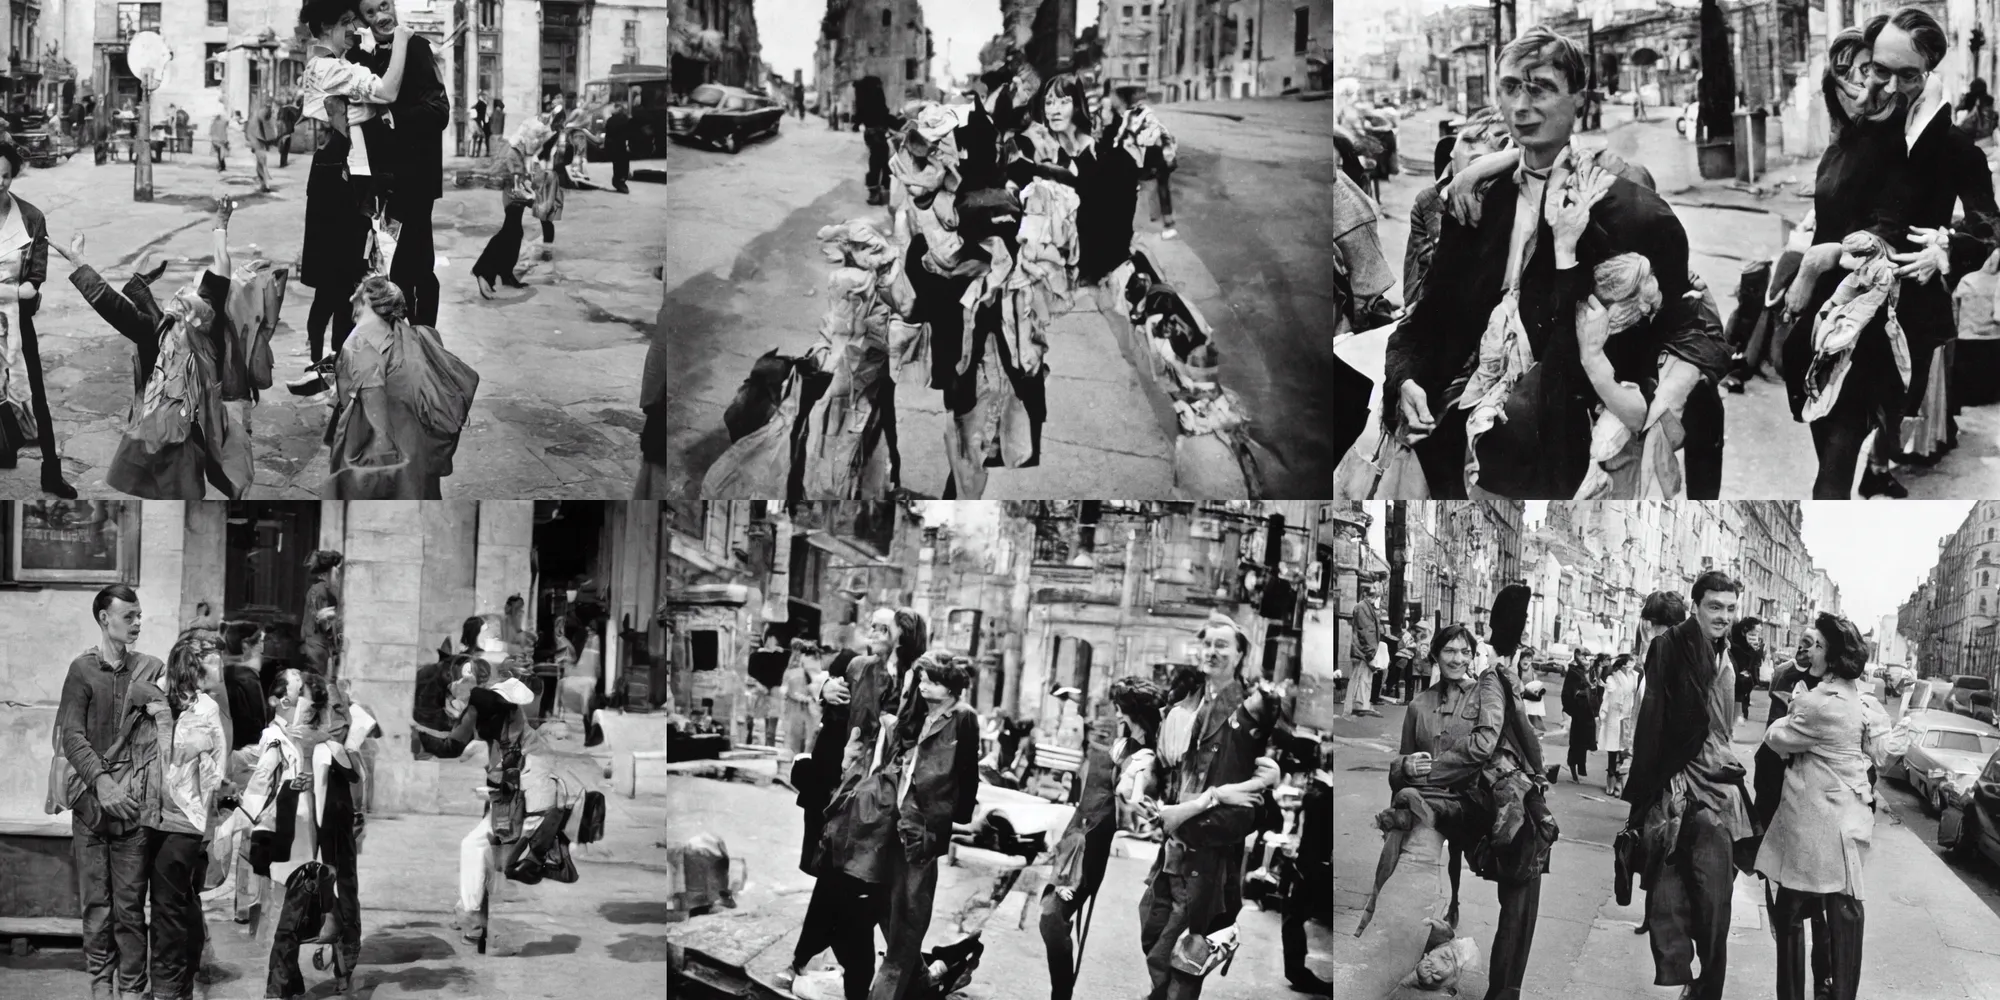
[(1964, 687), (1017, 823), (1946, 752), (723, 117), (1689, 122), (644, 91), (1970, 823)]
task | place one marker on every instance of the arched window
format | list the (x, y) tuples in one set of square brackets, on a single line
[(1982, 605)]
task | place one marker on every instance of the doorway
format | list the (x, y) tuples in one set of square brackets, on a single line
[(568, 540), (264, 574)]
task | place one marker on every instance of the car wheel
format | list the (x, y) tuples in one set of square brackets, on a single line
[(1937, 801), (1967, 846), (1000, 834)]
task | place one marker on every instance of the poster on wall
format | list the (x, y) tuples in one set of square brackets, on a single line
[(69, 541)]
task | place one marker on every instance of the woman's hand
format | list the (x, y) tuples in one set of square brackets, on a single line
[(1581, 192), (1593, 327), (1930, 259), (1464, 194), (74, 252), (1231, 796), (1066, 893)]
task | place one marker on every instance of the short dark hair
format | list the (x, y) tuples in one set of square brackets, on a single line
[(323, 560), (1129, 92), (15, 161), (319, 15), (238, 635), (1717, 581), (115, 592), (1242, 637), (1846, 650), (468, 633), (1541, 46), (1455, 630), (1141, 699), (1664, 608), (945, 671), (1924, 31)]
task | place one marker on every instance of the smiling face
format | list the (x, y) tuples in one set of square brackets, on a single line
[(1897, 69), (339, 36), (1455, 658), (1815, 647), (1056, 107), (380, 16), (1219, 652), (1717, 611), (1537, 104)]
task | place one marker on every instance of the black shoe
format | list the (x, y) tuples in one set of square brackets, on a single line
[(1643, 928), (1733, 382), (52, 482), (1306, 982), (484, 282), (512, 281), (1882, 484)]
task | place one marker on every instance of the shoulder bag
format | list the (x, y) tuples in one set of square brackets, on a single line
[(860, 825), (128, 773)]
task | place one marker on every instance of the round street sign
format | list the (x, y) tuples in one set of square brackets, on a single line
[(147, 55)]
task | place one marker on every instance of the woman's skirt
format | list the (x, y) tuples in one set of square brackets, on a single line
[(1925, 434), (336, 236), (497, 261)]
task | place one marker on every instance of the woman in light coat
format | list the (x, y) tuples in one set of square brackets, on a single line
[(1815, 847), (1617, 719)]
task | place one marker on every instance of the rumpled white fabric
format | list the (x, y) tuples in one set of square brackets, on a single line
[(1870, 287)]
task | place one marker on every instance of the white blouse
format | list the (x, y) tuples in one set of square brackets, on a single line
[(325, 77), (194, 770)]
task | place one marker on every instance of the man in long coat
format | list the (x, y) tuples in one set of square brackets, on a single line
[(1686, 792)]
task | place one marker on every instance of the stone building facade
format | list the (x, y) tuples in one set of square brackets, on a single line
[(1949, 620), (885, 39), (714, 41)]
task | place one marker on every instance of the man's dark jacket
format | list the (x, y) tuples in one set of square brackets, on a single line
[(1673, 718), (1439, 342), (413, 152), (617, 131)]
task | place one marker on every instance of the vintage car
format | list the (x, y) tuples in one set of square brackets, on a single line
[(644, 91), (1017, 823), (1946, 753), (1970, 823), (723, 117)]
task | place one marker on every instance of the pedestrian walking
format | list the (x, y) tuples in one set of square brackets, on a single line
[(1746, 656), (1578, 684), (1864, 364), (1118, 767), (1833, 737), (482, 134), (1616, 718), (262, 135), (178, 436), (1367, 634), (407, 145), (1689, 806), (183, 126), (24, 402), (401, 404), (498, 261), (1474, 790), (496, 122), (218, 140), (110, 750), (534, 148), (1310, 896), (617, 146), (1500, 273), (321, 623), (871, 109), (340, 95), (1152, 149), (289, 115), (191, 750)]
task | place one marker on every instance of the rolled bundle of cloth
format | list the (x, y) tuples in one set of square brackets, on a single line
[(1628, 462), (1871, 287), (1403, 924)]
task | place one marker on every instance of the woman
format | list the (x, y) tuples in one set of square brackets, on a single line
[(850, 448), (1746, 655), (1577, 686), (1894, 171), (936, 758), (535, 150), (402, 403), (1117, 769), (1448, 769), (301, 804), (178, 436), (20, 376), (341, 95), (242, 666), (503, 251), (1817, 844), (321, 627), (1617, 719), (193, 746), (871, 110)]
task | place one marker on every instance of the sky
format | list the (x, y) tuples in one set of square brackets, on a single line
[(1878, 557), (789, 31)]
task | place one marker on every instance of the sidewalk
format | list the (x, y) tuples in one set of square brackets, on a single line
[(1928, 935)]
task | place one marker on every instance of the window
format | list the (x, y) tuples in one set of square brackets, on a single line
[(136, 17), (910, 73), (212, 66), (1301, 29), (1145, 11), (1146, 69), (1964, 742), (1246, 93), (1250, 34), (885, 18), (1128, 13), (218, 11), (632, 39), (489, 13)]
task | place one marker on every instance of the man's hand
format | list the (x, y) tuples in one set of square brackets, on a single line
[(403, 35), (1236, 797), (112, 797), (835, 691), (26, 291), (225, 206), (1066, 893), (1417, 765), (1416, 409), (74, 252), (1585, 187), (1463, 196)]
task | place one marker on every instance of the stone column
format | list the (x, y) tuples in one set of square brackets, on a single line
[(162, 529), (203, 557)]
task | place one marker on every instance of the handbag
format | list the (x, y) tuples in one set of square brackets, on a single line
[(861, 820), (590, 828), (381, 243), (131, 776), (1399, 474), (545, 853), (760, 463)]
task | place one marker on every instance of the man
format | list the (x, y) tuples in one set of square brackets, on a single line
[(479, 146), (262, 135), (184, 130), (1367, 634), (1525, 265), (289, 116), (108, 825), (1151, 146), (1311, 897), (1210, 758), (617, 145), (218, 137), (413, 130), (1682, 765), (34, 240)]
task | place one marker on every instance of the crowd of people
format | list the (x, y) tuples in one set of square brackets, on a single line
[(887, 773), (1578, 355), (1004, 213), (1471, 768)]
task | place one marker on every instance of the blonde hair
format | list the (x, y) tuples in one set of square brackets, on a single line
[(382, 296)]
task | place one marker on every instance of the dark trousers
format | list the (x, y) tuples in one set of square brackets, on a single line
[(45, 425), (878, 159), (842, 915), (1310, 899), (1375, 687), (1058, 914), (177, 862), (331, 304), (621, 171), (1442, 454), (414, 270), (1520, 905), (1868, 399), (908, 895), (111, 872), (1687, 910), (1703, 422), (1836, 943), (1165, 911), (1156, 162)]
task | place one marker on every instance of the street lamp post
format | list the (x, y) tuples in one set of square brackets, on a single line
[(147, 55)]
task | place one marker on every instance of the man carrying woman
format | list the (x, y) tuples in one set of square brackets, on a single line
[(339, 197), (408, 144)]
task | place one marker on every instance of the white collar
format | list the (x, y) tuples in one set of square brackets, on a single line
[(1564, 161), (1929, 106)]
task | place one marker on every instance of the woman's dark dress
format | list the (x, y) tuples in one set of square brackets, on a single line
[(1110, 190), (497, 261), (336, 237)]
